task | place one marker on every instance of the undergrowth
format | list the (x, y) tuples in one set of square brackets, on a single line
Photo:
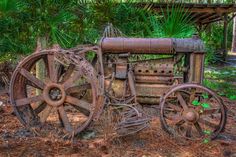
[(222, 80), (10, 58)]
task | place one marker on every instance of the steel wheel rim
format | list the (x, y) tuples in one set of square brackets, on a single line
[(17, 77), (222, 112)]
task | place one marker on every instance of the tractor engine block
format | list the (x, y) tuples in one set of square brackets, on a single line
[(154, 72)]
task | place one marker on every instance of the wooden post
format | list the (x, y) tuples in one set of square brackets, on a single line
[(40, 74), (234, 37), (40, 66), (208, 26), (224, 46)]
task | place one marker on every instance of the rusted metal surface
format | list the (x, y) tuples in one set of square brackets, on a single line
[(121, 68), (152, 45), (187, 45), (132, 122), (155, 68), (154, 80), (119, 76), (196, 70), (137, 45), (150, 93), (31, 109), (192, 111), (154, 72)]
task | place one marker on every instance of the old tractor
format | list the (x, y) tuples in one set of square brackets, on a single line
[(79, 83)]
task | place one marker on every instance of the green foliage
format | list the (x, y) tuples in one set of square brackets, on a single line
[(205, 105), (232, 97), (222, 81), (69, 23), (213, 39), (8, 6), (9, 57), (136, 21), (207, 132), (50, 19), (176, 22), (205, 95), (196, 103), (130, 19), (205, 141), (23, 21), (77, 22)]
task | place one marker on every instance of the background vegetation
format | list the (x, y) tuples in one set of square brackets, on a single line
[(73, 22)]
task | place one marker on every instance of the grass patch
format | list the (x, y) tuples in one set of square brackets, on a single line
[(223, 81)]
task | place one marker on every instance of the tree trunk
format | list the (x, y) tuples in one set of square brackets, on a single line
[(209, 26), (41, 74), (234, 37), (225, 50), (40, 66)]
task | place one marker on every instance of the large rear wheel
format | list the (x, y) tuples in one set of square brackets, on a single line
[(64, 98)]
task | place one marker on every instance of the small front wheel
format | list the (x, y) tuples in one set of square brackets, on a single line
[(193, 112)]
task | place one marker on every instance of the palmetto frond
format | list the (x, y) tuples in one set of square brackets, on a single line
[(175, 22), (62, 17), (7, 6)]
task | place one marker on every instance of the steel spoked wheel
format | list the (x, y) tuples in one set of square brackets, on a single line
[(193, 112), (63, 99)]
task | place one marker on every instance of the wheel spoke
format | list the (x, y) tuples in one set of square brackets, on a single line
[(30, 77), (192, 95), (70, 82), (61, 122), (68, 72), (175, 107), (210, 124), (179, 123), (64, 119), (25, 101), (79, 88), (78, 102), (203, 100), (188, 130), (198, 128), (51, 68), (60, 70), (201, 113), (210, 111), (181, 100), (40, 108), (45, 113), (175, 118)]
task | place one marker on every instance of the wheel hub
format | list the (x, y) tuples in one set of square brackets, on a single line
[(191, 116), (54, 94)]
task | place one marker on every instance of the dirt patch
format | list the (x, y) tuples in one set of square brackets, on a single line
[(15, 140)]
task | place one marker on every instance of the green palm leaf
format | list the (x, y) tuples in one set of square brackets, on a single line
[(8, 6), (62, 17), (175, 22)]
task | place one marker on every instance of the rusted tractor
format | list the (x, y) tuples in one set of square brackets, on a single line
[(125, 72)]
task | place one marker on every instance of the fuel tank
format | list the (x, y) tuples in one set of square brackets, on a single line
[(152, 45)]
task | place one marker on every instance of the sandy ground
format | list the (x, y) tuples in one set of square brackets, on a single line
[(16, 141)]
